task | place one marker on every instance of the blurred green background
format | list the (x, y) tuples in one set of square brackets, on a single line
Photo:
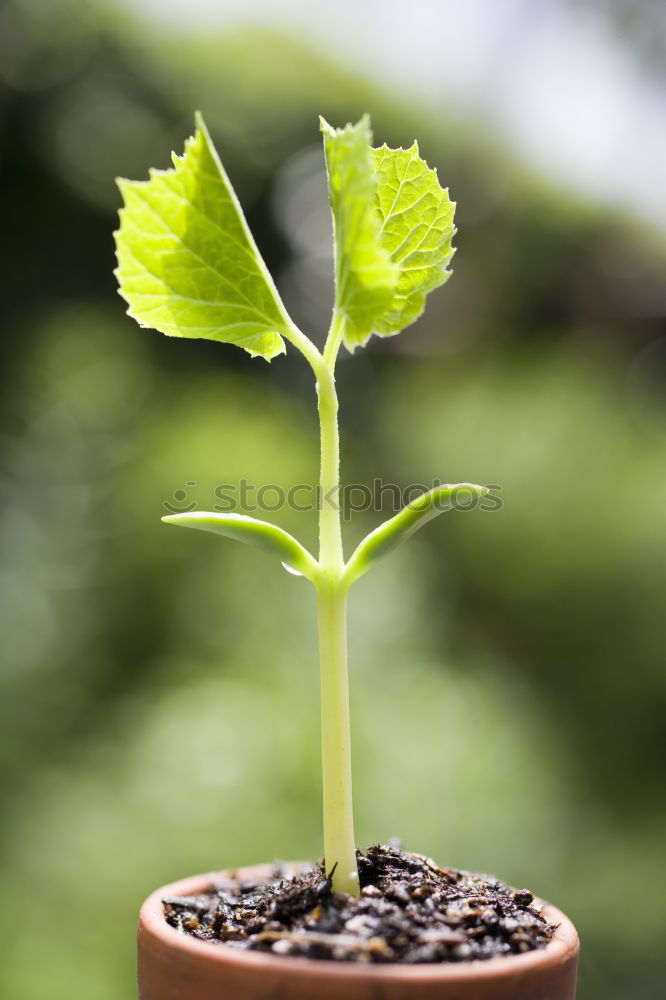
[(159, 700)]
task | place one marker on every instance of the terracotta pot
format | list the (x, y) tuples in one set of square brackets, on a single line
[(175, 966)]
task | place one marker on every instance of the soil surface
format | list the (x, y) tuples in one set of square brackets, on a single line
[(410, 910)]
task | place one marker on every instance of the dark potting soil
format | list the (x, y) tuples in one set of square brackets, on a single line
[(410, 910)]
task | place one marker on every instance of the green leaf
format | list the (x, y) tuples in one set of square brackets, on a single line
[(391, 533), (187, 263), (393, 226), (264, 535), (365, 277), (417, 229)]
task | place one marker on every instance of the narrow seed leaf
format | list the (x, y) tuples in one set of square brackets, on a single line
[(365, 277), (417, 229), (391, 533), (264, 535), (187, 262)]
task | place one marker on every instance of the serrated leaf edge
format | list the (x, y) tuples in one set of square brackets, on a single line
[(178, 159)]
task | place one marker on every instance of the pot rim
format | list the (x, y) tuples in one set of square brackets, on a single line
[(152, 923)]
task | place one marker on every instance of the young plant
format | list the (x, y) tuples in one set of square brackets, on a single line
[(189, 267)]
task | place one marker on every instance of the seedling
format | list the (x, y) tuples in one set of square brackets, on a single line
[(189, 267)]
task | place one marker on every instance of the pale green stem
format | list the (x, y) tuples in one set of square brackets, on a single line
[(339, 847), (331, 558)]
